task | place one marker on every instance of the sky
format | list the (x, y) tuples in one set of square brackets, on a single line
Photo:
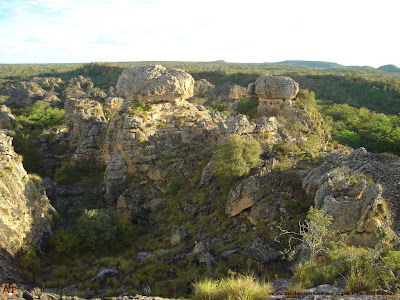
[(349, 32)]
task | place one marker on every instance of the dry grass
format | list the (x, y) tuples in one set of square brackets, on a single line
[(241, 287)]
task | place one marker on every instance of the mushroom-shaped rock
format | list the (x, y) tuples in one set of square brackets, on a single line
[(276, 87), (155, 84)]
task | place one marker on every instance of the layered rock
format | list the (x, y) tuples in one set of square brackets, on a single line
[(155, 84), (227, 92), (87, 124), (25, 207), (202, 88), (360, 191), (7, 120), (23, 93), (275, 87)]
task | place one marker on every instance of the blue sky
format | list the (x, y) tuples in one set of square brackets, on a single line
[(350, 32)]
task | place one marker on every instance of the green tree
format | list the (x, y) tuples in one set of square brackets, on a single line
[(234, 158), (313, 234)]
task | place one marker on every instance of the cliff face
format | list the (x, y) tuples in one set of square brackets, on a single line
[(25, 209)]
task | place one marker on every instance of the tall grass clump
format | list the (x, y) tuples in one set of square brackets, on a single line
[(240, 287)]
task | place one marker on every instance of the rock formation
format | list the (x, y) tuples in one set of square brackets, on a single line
[(155, 84), (25, 209), (276, 87), (7, 120), (360, 191)]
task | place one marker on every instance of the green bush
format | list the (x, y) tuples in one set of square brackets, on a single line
[(29, 261), (41, 115), (234, 158), (104, 229), (72, 172), (65, 241), (307, 98), (248, 107)]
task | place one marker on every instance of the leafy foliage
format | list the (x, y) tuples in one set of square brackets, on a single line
[(72, 172), (313, 234), (362, 127), (234, 158), (41, 115)]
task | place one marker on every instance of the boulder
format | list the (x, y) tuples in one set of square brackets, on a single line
[(251, 191), (261, 252), (178, 234), (105, 273), (155, 84), (275, 87), (202, 88), (227, 92)]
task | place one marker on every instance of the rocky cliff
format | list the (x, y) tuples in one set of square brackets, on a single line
[(25, 209)]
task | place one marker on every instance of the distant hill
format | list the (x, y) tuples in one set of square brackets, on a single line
[(389, 68), (311, 64)]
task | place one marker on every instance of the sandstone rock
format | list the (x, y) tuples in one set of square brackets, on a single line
[(228, 253), (261, 252), (361, 209), (142, 256), (105, 273), (227, 92), (276, 87), (207, 258), (237, 125), (178, 234), (7, 120), (23, 93), (202, 88), (155, 84), (250, 191), (24, 204)]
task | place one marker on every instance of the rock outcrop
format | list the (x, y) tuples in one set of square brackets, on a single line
[(227, 92), (155, 84), (360, 191), (7, 120), (25, 207), (87, 124), (202, 88), (275, 87)]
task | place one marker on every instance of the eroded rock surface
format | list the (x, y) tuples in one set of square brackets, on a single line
[(154, 84), (275, 87)]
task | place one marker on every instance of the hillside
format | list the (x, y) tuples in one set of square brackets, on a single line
[(161, 178), (311, 64)]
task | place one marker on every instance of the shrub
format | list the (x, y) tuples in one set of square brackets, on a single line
[(72, 172), (232, 287), (65, 241), (307, 98), (104, 229), (42, 115), (29, 261), (234, 158), (312, 235), (248, 107)]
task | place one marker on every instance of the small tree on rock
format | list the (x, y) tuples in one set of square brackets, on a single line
[(313, 234)]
